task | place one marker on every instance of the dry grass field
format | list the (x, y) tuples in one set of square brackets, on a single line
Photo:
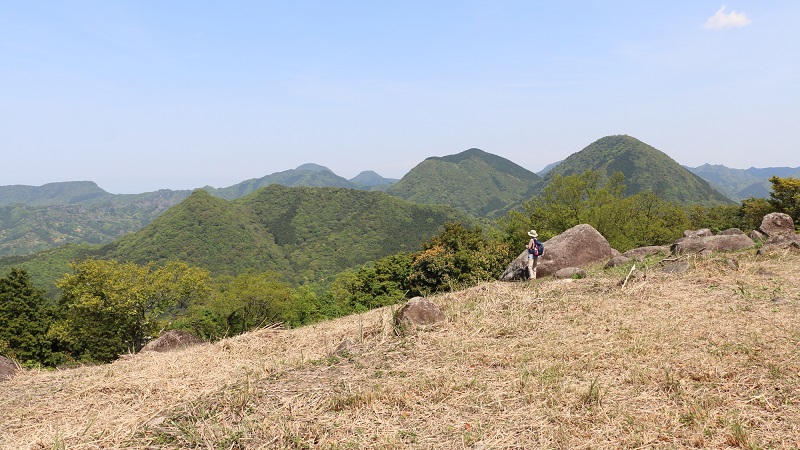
[(708, 358)]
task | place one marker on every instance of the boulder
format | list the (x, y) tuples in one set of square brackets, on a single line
[(641, 253), (172, 340), (776, 223), (780, 242), (8, 368), (576, 247), (718, 243), (697, 233), (757, 235), (418, 311), (618, 261), (570, 272)]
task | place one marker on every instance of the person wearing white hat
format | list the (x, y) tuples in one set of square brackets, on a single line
[(534, 251)]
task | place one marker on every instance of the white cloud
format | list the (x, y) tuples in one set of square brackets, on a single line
[(722, 20)]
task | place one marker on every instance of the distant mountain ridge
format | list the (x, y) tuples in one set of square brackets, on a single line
[(60, 193), (303, 233), (738, 184), (36, 218), (473, 181), (645, 168)]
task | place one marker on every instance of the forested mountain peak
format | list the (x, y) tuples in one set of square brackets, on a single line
[(645, 168), (473, 181), (313, 168)]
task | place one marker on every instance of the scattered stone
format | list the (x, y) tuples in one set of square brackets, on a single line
[(732, 263), (757, 235), (570, 272), (776, 223), (418, 311), (8, 368), (779, 300), (676, 267), (576, 247), (617, 261), (172, 340), (765, 273), (703, 232), (640, 253)]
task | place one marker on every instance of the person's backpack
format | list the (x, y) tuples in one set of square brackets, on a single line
[(538, 248)]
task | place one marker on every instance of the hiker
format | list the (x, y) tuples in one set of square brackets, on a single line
[(534, 251)]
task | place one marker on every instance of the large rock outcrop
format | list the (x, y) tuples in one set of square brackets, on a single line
[(576, 247)]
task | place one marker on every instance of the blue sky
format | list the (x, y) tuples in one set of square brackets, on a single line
[(145, 95)]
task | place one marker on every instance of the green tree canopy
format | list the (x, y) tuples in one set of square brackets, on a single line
[(110, 308), (25, 316)]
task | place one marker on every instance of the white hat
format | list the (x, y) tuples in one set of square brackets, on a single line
[(533, 233)]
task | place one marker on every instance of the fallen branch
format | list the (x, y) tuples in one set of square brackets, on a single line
[(633, 267)]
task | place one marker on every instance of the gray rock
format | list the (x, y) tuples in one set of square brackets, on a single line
[(172, 340), (618, 261), (576, 247), (776, 223), (718, 243), (730, 231), (8, 368), (780, 242), (418, 311), (676, 267), (757, 235), (641, 253), (570, 272), (703, 232)]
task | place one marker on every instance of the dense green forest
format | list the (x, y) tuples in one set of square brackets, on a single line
[(106, 307)]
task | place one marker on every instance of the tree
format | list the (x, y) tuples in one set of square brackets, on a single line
[(110, 308), (567, 201), (458, 256), (785, 196), (753, 212), (25, 317)]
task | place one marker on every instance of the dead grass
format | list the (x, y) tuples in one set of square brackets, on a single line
[(707, 358)]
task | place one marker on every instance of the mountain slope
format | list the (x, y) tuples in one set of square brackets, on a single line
[(704, 359), (304, 233), (473, 181), (645, 169)]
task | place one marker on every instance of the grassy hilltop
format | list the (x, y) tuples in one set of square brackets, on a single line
[(708, 358)]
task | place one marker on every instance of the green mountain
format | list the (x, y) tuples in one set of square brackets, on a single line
[(305, 233), (372, 181), (36, 218), (305, 175), (473, 181), (645, 169), (26, 229), (64, 193), (739, 184)]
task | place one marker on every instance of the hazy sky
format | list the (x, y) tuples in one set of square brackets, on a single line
[(144, 95)]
